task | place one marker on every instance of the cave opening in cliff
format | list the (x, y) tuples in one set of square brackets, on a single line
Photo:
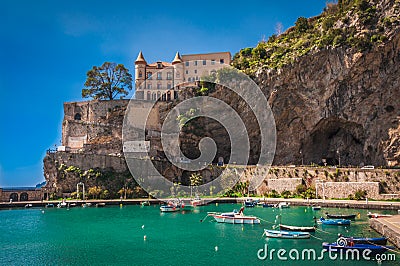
[(334, 141)]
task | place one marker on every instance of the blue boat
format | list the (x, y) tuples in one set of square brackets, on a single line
[(374, 249), (333, 221)]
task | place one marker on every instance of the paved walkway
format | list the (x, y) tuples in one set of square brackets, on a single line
[(388, 227)]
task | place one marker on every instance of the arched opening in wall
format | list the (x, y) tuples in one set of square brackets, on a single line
[(77, 116), (168, 95), (158, 95), (14, 197), (334, 141), (148, 96), (154, 96), (163, 97), (23, 196)]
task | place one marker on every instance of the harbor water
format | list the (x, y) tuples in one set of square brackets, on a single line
[(142, 235)]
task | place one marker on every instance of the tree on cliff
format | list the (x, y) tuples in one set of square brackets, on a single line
[(107, 81)]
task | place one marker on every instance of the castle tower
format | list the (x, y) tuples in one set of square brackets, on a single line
[(177, 64), (140, 74)]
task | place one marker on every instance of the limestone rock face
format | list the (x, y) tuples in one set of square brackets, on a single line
[(338, 104)]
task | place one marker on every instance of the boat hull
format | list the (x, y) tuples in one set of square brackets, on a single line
[(169, 209), (297, 228), (334, 221), (236, 220), (374, 249), (286, 234), (341, 216)]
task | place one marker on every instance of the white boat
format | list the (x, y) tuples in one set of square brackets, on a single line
[(282, 205), (197, 202), (235, 217), (170, 208), (286, 234), (378, 215), (62, 204)]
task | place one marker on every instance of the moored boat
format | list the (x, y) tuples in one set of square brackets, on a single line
[(197, 202), (286, 234), (145, 203), (169, 208), (100, 204), (282, 205), (297, 228), (316, 208), (341, 216), (334, 221), (28, 205), (378, 215), (250, 203), (235, 217), (369, 240), (373, 249)]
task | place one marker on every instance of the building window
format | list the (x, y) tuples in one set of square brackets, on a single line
[(159, 86), (187, 72), (221, 61), (169, 96), (204, 62), (195, 71), (148, 96), (197, 78), (178, 75), (149, 86), (195, 63), (189, 79), (154, 96), (159, 75), (149, 75), (212, 62), (159, 65), (169, 86), (169, 75), (140, 74), (186, 63), (77, 116)]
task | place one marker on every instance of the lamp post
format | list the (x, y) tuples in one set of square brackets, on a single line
[(302, 161), (338, 152)]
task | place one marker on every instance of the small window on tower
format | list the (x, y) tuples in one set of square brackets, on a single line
[(140, 74), (77, 116)]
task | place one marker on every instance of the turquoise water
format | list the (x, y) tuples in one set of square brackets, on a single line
[(114, 236)]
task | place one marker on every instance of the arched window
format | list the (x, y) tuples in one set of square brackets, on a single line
[(24, 196), (154, 97), (169, 96), (178, 75), (158, 95), (140, 74), (14, 197), (163, 97), (148, 96), (77, 116)]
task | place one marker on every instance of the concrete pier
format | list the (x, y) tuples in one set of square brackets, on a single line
[(388, 227)]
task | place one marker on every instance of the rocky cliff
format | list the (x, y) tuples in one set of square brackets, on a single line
[(338, 102)]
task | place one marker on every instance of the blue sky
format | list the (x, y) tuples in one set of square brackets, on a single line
[(48, 46)]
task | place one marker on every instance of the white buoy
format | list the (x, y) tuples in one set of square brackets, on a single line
[(216, 248), (145, 237), (142, 226), (42, 211)]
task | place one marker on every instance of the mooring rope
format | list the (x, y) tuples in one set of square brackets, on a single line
[(326, 232), (316, 237)]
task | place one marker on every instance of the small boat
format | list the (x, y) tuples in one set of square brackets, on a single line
[(374, 249), (62, 204), (28, 206), (297, 228), (197, 202), (172, 206), (316, 208), (267, 205), (250, 203), (282, 205), (286, 234), (333, 221), (341, 216), (50, 205), (169, 208), (85, 205), (145, 203), (235, 217), (100, 204), (368, 240), (377, 215)]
